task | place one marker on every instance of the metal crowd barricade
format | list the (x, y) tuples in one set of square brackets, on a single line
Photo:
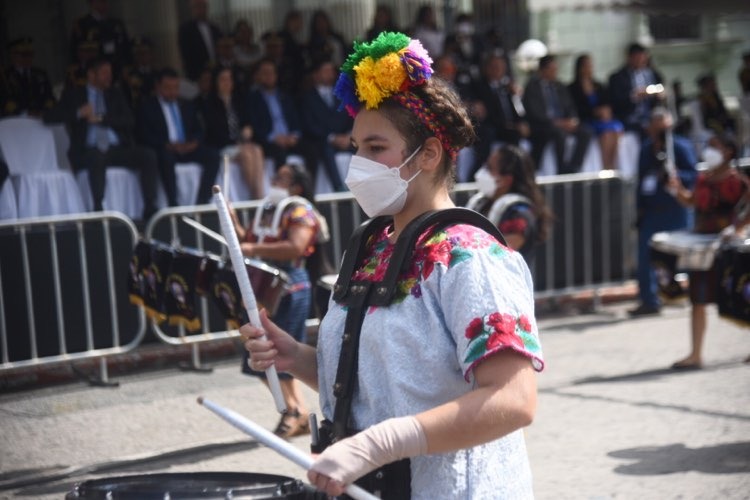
[(587, 249), (166, 226), (63, 291)]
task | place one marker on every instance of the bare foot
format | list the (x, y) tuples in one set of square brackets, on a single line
[(689, 363)]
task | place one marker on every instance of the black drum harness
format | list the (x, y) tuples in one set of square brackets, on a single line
[(392, 481)]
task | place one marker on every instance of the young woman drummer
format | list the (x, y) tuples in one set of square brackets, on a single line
[(286, 246), (445, 377)]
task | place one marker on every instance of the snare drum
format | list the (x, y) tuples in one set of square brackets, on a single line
[(268, 283), (694, 252), (216, 485), (733, 290)]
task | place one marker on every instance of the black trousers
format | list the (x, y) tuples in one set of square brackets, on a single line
[(303, 148), (488, 133), (137, 158), (540, 138), (207, 157)]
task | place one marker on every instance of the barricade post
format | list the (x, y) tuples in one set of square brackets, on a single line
[(63, 291)]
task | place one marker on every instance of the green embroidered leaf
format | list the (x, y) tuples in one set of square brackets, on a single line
[(497, 251), (530, 342), (459, 255), (477, 347)]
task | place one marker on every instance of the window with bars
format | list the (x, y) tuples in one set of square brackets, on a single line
[(665, 27)]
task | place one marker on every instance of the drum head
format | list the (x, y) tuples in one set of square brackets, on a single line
[(190, 485)]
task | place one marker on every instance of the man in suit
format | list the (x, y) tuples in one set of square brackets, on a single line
[(553, 117), (139, 79), (496, 104), (631, 100), (328, 129), (197, 40), (275, 121), (170, 127), (101, 133), (108, 32), (24, 89)]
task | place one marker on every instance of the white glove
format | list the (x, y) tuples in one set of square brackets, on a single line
[(389, 441)]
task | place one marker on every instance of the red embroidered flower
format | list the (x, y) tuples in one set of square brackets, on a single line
[(474, 328), (503, 323), (524, 323), (501, 339), (437, 253)]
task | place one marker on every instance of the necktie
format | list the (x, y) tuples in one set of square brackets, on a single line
[(100, 131), (553, 105), (177, 121), (502, 97)]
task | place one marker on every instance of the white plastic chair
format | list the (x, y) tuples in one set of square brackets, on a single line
[(232, 183), (40, 186), (188, 176), (323, 184), (8, 203), (592, 160)]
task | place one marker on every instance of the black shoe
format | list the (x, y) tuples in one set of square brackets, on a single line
[(644, 310)]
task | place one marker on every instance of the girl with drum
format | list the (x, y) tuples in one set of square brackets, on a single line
[(284, 234), (510, 197), (716, 197), (443, 379)]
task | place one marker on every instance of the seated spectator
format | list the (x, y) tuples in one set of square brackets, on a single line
[(553, 118), (465, 46), (109, 33), (383, 20), (101, 126), (497, 108), (75, 73), (630, 97), (275, 120), (25, 89), (744, 74), (225, 58), (445, 68), (325, 43), (592, 104), (170, 126), (291, 62), (139, 79), (197, 40), (328, 129), (425, 29), (715, 116), (227, 124), (246, 50)]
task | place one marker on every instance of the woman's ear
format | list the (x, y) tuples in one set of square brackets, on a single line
[(431, 155)]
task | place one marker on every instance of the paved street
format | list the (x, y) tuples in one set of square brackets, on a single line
[(613, 423)]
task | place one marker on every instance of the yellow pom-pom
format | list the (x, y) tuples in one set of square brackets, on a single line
[(368, 89), (390, 73)]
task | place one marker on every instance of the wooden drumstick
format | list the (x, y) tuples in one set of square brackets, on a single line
[(277, 444), (248, 296)]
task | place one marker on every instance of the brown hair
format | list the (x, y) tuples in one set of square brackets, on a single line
[(449, 110)]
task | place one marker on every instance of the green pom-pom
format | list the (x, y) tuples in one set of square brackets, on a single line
[(385, 43)]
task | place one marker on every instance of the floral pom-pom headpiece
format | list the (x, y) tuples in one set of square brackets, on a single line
[(388, 66)]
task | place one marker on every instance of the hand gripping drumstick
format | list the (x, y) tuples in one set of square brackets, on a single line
[(277, 444), (248, 297)]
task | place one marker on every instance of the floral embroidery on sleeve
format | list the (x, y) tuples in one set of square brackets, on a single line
[(497, 331)]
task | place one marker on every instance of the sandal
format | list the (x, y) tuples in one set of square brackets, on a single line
[(292, 424)]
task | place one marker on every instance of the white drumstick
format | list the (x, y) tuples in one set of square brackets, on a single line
[(277, 444), (225, 186), (248, 297)]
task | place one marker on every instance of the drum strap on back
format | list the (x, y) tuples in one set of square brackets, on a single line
[(359, 295)]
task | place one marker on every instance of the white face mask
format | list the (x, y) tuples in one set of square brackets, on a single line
[(277, 194), (486, 182), (713, 157), (378, 189)]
